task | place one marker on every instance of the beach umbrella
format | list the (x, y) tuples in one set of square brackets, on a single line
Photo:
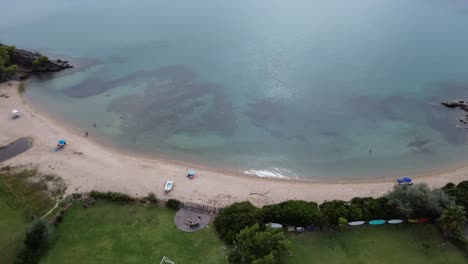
[(14, 112), (407, 179), (62, 142), (191, 172)]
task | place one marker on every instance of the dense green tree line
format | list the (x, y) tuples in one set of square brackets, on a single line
[(243, 225), (7, 69)]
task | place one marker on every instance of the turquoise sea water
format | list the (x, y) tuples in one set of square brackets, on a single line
[(301, 89)]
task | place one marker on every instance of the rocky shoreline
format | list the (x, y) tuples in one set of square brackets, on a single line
[(26, 62), (459, 104)]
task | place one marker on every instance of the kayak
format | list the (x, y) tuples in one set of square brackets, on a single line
[(377, 222), (395, 221), (356, 223)]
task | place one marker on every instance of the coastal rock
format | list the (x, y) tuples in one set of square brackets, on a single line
[(456, 104), (24, 59)]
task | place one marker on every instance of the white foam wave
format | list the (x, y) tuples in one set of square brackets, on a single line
[(279, 173)]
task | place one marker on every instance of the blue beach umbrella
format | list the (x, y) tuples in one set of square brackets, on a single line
[(407, 179), (191, 172), (62, 142)]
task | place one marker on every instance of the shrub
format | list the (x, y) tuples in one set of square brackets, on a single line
[(37, 241), (6, 68), (458, 192), (254, 245), (152, 197), (40, 60), (453, 221), (111, 196), (293, 212), (342, 223), (236, 217), (368, 208), (333, 210), (412, 201), (174, 204)]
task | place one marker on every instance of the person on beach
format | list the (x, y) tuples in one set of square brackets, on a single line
[(94, 124), (86, 134)]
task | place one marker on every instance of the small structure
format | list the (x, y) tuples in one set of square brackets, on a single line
[(291, 228), (15, 114), (169, 185), (191, 174), (166, 260), (191, 219), (193, 223)]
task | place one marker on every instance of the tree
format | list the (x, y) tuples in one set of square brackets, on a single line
[(6, 68), (417, 200), (333, 210), (234, 218), (37, 241), (458, 192), (253, 245), (453, 221), (293, 212)]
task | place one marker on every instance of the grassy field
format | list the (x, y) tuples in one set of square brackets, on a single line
[(380, 244), (118, 233), (13, 222), (20, 199)]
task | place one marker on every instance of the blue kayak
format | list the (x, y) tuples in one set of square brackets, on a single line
[(377, 222)]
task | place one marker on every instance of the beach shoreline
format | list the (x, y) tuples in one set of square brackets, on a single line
[(90, 165)]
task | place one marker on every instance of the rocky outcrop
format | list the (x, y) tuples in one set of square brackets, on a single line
[(461, 104), (25, 60)]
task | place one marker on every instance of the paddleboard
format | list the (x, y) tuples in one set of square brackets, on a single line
[(395, 221), (356, 223), (377, 222)]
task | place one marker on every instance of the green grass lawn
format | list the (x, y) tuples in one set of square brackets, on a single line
[(375, 245), (128, 233), (20, 199), (13, 222)]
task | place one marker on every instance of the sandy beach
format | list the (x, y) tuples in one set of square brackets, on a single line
[(86, 165)]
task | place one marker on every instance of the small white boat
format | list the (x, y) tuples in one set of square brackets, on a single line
[(168, 186), (355, 223), (395, 221)]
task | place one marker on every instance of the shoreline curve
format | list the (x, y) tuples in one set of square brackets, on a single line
[(89, 165)]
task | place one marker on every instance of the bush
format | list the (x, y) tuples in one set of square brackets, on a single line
[(342, 223), (293, 212), (333, 210), (236, 217), (40, 60), (414, 201), (152, 197), (368, 208), (111, 196), (6, 68), (458, 192), (254, 245), (37, 241), (174, 204)]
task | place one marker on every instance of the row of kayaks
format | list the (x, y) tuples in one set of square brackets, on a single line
[(377, 222)]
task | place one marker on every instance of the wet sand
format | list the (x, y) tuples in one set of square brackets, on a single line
[(86, 165)]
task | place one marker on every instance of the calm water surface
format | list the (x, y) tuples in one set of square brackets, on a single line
[(301, 89)]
